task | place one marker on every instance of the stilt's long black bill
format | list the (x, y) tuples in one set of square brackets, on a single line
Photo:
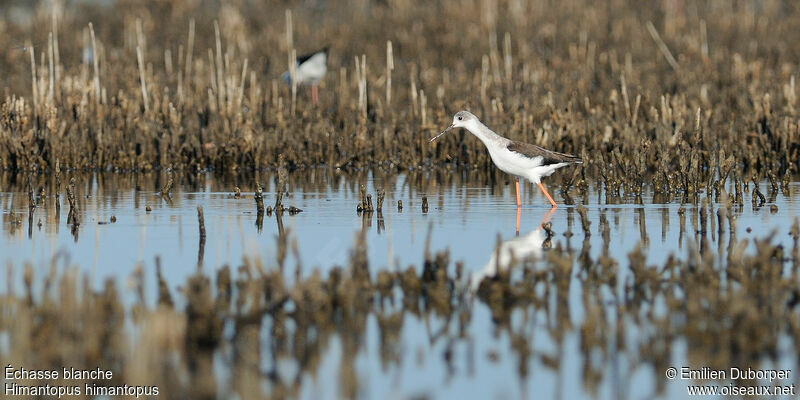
[(443, 132)]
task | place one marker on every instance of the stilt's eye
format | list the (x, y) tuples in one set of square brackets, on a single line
[(460, 118)]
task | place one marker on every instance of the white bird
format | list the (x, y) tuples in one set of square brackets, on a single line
[(309, 70), (519, 159), (527, 246)]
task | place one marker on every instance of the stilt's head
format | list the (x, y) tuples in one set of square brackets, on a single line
[(462, 119)]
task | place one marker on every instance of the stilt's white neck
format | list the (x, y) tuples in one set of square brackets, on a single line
[(483, 132)]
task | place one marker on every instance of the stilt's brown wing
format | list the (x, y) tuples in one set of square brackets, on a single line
[(548, 157)]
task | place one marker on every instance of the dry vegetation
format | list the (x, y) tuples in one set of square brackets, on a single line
[(707, 85)]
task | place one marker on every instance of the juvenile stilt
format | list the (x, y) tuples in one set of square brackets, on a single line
[(547, 194), (519, 203)]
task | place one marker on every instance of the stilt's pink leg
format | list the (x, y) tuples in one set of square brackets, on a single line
[(547, 194)]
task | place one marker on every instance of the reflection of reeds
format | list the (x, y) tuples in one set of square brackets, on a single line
[(72, 217)]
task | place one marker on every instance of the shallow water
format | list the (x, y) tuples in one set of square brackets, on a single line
[(467, 214), (467, 217)]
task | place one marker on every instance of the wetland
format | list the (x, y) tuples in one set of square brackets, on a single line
[(176, 214)]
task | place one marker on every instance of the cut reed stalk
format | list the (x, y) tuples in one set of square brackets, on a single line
[(187, 75), (662, 46), (293, 78), (56, 55), (389, 68), (51, 69), (142, 79)]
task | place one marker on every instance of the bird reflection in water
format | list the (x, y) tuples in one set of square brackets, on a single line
[(527, 246)]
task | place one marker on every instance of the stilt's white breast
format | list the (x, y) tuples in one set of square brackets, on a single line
[(514, 163)]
